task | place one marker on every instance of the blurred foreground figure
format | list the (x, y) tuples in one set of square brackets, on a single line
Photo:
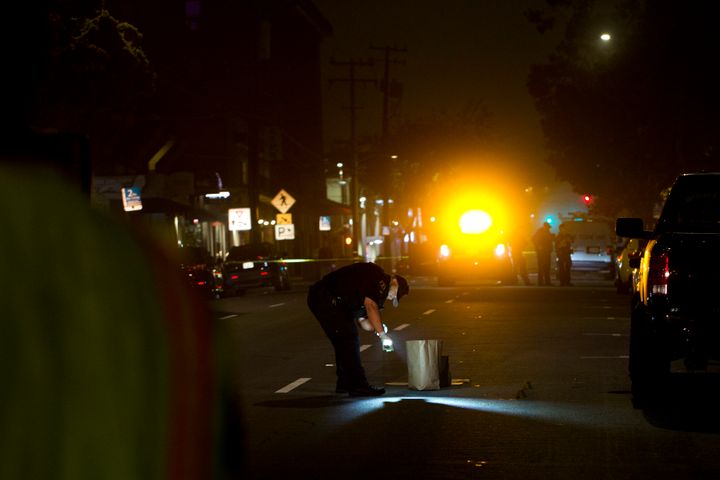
[(108, 366), (354, 293)]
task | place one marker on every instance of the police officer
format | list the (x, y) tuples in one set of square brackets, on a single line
[(563, 248), (353, 294), (543, 240)]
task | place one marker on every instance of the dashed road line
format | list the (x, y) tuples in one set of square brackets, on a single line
[(364, 347), (606, 357), (276, 305), (292, 386), (229, 316), (401, 327), (450, 301), (428, 312), (605, 334)]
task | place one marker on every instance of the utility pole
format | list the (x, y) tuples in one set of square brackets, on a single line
[(386, 213), (386, 84), (352, 80)]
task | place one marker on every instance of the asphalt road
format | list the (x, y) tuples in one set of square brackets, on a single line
[(540, 391)]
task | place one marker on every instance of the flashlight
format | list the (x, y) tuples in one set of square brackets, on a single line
[(387, 343)]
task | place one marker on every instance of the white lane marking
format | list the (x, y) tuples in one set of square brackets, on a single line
[(364, 347), (228, 316), (615, 357), (450, 301), (429, 311), (401, 327), (276, 305), (292, 386), (606, 334)]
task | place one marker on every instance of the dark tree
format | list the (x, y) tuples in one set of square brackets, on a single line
[(98, 82), (622, 118)]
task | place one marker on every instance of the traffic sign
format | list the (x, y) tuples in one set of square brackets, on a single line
[(325, 223), (131, 199), (283, 201), (283, 218), (285, 232), (239, 219)]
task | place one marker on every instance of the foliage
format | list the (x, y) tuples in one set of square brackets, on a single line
[(623, 118), (97, 68), (98, 80)]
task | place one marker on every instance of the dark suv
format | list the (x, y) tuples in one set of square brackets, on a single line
[(253, 265), (675, 309)]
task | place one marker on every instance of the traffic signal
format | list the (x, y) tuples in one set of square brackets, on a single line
[(348, 240), (587, 199)]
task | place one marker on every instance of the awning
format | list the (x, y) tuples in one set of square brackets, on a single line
[(173, 208)]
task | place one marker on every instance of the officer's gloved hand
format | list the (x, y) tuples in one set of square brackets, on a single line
[(387, 343)]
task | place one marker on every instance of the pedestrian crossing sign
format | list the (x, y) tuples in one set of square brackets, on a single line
[(283, 201)]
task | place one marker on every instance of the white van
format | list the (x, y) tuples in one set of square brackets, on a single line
[(593, 244)]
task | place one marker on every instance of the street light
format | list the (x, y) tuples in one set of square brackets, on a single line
[(605, 37)]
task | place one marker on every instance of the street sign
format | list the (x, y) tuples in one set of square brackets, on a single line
[(283, 201), (285, 232), (283, 218), (239, 219), (131, 199), (325, 223)]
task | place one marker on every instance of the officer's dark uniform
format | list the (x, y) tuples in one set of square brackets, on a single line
[(333, 300)]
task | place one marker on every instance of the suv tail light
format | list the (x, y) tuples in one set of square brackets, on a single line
[(659, 274)]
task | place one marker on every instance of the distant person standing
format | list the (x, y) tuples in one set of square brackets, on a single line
[(563, 249), (517, 245), (543, 241)]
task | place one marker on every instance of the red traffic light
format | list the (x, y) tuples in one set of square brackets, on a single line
[(587, 199)]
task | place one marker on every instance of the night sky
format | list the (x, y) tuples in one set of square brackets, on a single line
[(458, 51)]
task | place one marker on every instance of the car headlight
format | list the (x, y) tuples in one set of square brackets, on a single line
[(500, 250), (444, 251)]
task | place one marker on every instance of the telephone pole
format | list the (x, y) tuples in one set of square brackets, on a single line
[(352, 80), (386, 83), (385, 151)]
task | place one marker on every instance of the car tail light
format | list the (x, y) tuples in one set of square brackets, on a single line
[(659, 274), (264, 273)]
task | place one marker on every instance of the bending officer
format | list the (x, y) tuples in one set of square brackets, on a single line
[(354, 293)]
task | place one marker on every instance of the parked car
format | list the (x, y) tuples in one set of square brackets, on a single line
[(593, 244), (253, 265), (625, 273), (675, 309), (198, 267)]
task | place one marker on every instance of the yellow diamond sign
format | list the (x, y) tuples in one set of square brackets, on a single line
[(283, 201)]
